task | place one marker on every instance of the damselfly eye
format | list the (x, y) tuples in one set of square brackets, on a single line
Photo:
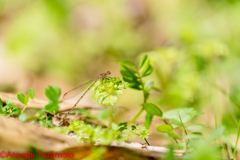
[(108, 72)]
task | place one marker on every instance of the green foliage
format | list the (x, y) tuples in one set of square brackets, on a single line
[(217, 133), (135, 130), (166, 128), (25, 100), (134, 77), (53, 93), (90, 134), (152, 109), (202, 150), (10, 109), (1, 106), (106, 90), (186, 114)]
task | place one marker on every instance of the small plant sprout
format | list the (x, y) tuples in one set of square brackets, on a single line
[(9, 109), (25, 100), (106, 91), (136, 130), (134, 75), (53, 93)]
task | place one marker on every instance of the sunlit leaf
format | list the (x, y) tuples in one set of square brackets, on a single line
[(166, 128), (217, 133), (171, 134), (51, 107), (194, 127), (125, 62), (26, 99), (148, 120), (21, 98), (152, 109), (31, 93), (9, 101)]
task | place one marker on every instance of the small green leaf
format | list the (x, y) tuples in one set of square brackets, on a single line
[(217, 133), (166, 128), (143, 61), (31, 93), (22, 117), (148, 121), (171, 134), (51, 107), (148, 85), (125, 62), (175, 123), (148, 71), (21, 98), (9, 101), (26, 99), (195, 127), (1, 104), (145, 66), (52, 92), (186, 114), (194, 135), (152, 109), (130, 77)]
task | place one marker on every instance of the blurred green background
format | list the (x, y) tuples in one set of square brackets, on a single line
[(194, 46)]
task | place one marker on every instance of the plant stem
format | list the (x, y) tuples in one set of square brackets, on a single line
[(167, 123), (183, 125), (235, 148), (136, 117), (23, 109), (146, 141), (110, 117)]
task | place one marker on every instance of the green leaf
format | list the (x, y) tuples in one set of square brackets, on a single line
[(51, 107), (52, 92), (145, 66), (1, 106), (130, 77), (31, 93), (195, 127), (166, 128), (128, 71), (175, 123), (217, 133), (125, 62), (148, 121), (143, 62), (148, 71), (194, 135), (186, 114), (26, 99), (171, 134), (22, 117), (148, 85), (9, 101), (21, 98), (152, 109)]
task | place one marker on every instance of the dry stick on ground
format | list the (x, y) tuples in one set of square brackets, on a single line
[(17, 136)]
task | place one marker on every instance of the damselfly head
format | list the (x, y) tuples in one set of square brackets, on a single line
[(108, 72)]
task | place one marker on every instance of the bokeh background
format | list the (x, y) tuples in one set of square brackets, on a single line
[(194, 47)]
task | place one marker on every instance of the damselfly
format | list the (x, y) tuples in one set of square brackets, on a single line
[(86, 86)]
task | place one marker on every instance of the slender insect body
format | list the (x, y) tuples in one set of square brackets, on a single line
[(103, 75)]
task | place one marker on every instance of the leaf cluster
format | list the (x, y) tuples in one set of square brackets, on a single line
[(90, 134), (53, 93), (9, 109), (106, 90)]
